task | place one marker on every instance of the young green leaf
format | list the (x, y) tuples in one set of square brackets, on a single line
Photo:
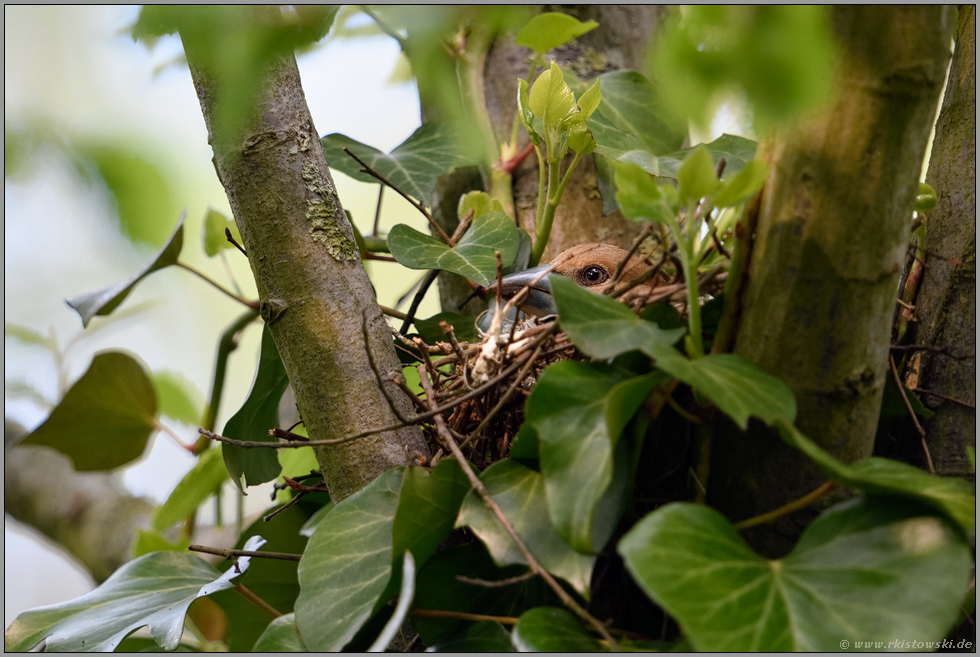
[(483, 636), (580, 139), (602, 327), (258, 414), (472, 257), (199, 484), (579, 411), (105, 301), (178, 397), (519, 492), (638, 196), (696, 176), (478, 201), (281, 636), (870, 568), (106, 418), (951, 496), (551, 29), (548, 629), (154, 590), (734, 384), (215, 239), (551, 100), (525, 113), (741, 186), (588, 102), (347, 564)]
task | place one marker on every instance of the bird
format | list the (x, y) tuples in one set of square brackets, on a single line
[(591, 265)]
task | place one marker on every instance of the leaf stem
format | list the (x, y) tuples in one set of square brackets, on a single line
[(817, 494), (226, 344), (251, 304), (257, 601), (556, 187)]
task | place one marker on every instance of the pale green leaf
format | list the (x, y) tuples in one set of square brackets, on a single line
[(696, 176), (178, 397), (215, 239), (150, 540), (550, 99), (741, 186), (478, 201), (551, 29)]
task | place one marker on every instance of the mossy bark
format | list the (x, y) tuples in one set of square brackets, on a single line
[(831, 237), (312, 285), (946, 303)]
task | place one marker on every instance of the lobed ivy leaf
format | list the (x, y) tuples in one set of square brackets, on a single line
[(741, 186), (696, 176), (203, 481), (472, 257), (347, 565), (734, 384), (549, 629), (258, 414), (737, 151), (154, 590), (412, 166), (550, 99), (630, 117), (215, 239), (602, 327), (178, 397), (551, 29), (579, 411), (281, 636), (484, 636), (106, 418), (951, 496), (520, 494), (870, 568), (105, 301)]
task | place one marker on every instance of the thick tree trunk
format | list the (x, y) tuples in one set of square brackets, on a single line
[(620, 42), (311, 282), (831, 237), (946, 303)]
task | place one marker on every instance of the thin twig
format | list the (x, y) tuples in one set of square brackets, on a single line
[(384, 26), (462, 615), (463, 225), (254, 305), (286, 434), (377, 211), (497, 583), (621, 267), (952, 399), (819, 493), (427, 281), (639, 280), (718, 244), (391, 312), (257, 601), (232, 240), (293, 500), (908, 406), (229, 553), (403, 384), (417, 204), (159, 426), (377, 372)]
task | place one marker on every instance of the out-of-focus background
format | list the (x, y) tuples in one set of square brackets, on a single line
[(75, 82)]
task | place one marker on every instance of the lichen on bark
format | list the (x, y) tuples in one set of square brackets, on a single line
[(322, 215)]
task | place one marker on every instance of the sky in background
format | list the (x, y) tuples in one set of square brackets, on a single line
[(76, 71)]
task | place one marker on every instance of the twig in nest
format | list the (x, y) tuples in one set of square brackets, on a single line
[(908, 407), (377, 373), (639, 280), (645, 233)]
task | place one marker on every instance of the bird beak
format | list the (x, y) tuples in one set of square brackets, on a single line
[(537, 302)]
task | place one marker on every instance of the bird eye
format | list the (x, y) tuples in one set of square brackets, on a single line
[(593, 275)]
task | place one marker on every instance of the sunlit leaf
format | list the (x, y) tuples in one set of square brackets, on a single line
[(951, 496), (579, 411), (478, 201), (178, 397), (547, 629), (740, 186), (347, 564), (588, 102), (873, 569), (524, 111), (259, 413), (519, 492), (550, 99), (106, 418), (602, 327), (194, 488), (281, 636), (412, 166), (105, 301), (154, 590), (484, 636), (696, 176), (149, 540), (472, 257), (551, 29), (215, 239)]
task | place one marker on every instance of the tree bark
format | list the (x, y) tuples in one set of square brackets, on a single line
[(831, 236), (946, 303), (312, 285)]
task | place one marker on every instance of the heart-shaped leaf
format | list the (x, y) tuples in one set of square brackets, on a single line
[(427, 508), (215, 239), (281, 636), (178, 397), (551, 29), (639, 197), (472, 257), (154, 590), (696, 176), (484, 636), (105, 301), (519, 492), (547, 629), (734, 384), (951, 496), (258, 414), (579, 411), (412, 166), (105, 418), (741, 186), (631, 117), (550, 99), (602, 327), (869, 569)]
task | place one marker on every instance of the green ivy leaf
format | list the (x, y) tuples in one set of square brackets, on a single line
[(550, 99), (740, 187), (178, 397), (579, 411), (925, 200), (203, 481), (737, 151), (734, 384), (281, 636), (215, 239), (484, 636), (547, 629), (519, 492), (149, 540), (347, 565), (696, 176), (106, 418), (258, 414), (630, 117), (869, 569), (412, 166), (949, 495), (154, 590), (551, 29), (639, 197), (105, 301), (464, 328), (478, 201), (472, 257), (602, 327)]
